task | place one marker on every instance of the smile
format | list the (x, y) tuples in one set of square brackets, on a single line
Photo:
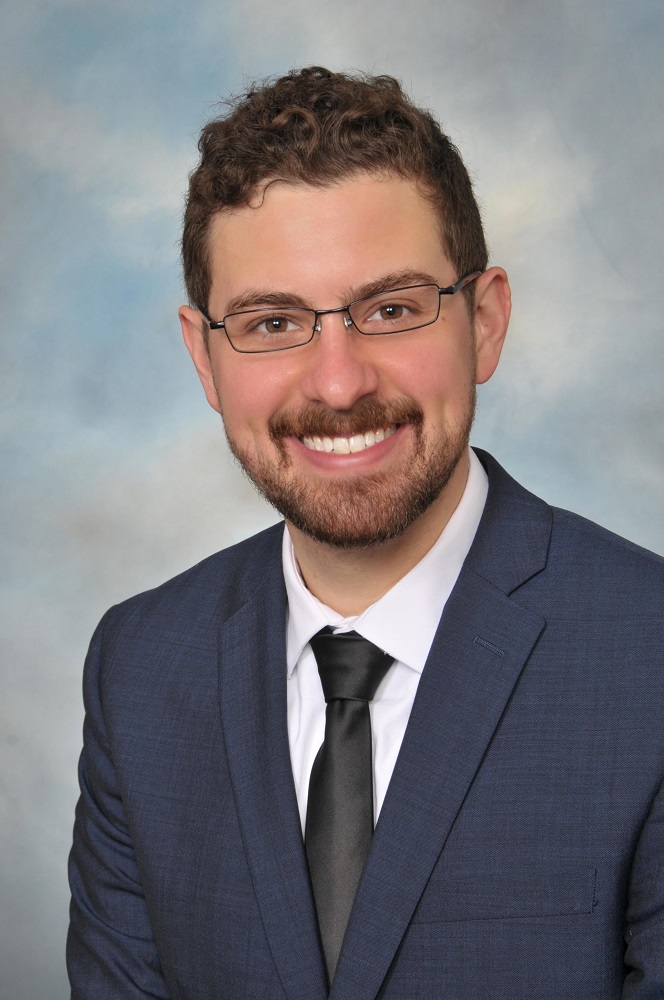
[(348, 445)]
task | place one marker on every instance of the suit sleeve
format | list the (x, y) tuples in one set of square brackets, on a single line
[(111, 952), (644, 928)]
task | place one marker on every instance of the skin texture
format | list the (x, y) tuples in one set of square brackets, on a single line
[(359, 521)]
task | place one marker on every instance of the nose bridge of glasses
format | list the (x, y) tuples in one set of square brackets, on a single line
[(348, 322)]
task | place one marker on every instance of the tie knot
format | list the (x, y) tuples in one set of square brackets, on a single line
[(350, 666)]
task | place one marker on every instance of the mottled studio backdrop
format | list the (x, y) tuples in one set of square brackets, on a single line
[(115, 474)]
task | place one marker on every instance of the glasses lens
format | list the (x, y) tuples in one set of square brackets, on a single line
[(269, 329), (397, 310)]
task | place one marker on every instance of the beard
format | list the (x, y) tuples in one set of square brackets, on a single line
[(357, 511)]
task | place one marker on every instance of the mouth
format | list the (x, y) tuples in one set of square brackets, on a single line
[(348, 445)]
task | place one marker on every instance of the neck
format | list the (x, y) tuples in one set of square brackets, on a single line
[(351, 580)]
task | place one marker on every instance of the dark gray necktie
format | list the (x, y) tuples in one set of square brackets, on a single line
[(339, 823)]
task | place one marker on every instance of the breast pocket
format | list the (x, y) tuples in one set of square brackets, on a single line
[(488, 894)]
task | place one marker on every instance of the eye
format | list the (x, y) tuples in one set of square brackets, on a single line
[(268, 329), (387, 313), (396, 310), (390, 310), (275, 324)]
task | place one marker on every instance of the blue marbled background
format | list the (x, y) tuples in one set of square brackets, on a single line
[(115, 473)]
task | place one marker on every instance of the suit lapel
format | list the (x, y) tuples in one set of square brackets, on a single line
[(461, 697), (252, 662), (482, 643)]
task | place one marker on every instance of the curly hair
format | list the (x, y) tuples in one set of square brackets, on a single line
[(316, 127)]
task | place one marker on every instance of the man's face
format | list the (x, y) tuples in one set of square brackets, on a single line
[(351, 437)]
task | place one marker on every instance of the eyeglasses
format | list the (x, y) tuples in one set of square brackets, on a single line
[(257, 331)]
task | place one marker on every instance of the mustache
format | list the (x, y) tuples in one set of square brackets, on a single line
[(369, 413)]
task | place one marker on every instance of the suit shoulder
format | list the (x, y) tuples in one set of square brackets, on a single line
[(219, 584), (592, 538), (601, 573)]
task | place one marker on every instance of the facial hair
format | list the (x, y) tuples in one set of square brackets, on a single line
[(361, 510)]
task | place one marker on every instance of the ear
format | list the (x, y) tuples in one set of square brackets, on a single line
[(192, 322), (493, 304)]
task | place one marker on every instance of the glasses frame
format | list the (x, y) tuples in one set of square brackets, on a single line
[(348, 319)]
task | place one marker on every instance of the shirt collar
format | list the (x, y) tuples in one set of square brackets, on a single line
[(404, 621)]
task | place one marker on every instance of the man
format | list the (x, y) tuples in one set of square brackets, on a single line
[(492, 667)]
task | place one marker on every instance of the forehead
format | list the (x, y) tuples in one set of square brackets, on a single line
[(321, 241)]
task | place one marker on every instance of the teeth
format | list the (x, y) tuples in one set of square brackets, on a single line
[(345, 445), (341, 446)]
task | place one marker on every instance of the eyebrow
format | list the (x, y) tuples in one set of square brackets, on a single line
[(395, 279), (255, 298)]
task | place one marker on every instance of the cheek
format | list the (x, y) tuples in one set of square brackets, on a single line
[(242, 409), (250, 393), (440, 380)]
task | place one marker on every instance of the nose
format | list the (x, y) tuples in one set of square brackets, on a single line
[(340, 368)]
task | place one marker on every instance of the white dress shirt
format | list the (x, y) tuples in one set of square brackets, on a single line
[(402, 623)]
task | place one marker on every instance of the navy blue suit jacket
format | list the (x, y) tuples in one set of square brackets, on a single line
[(520, 849)]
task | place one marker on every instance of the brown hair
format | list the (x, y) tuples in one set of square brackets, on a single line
[(317, 127)]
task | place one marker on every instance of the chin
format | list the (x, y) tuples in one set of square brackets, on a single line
[(359, 511)]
